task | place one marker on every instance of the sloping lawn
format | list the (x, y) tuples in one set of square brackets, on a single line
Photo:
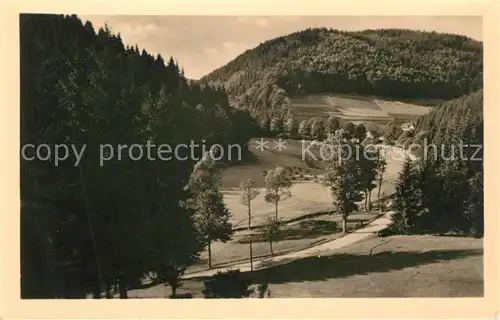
[(398, 266)]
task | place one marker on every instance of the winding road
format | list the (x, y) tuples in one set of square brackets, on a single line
[(259, 264)]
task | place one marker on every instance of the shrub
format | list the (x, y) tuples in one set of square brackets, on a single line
[(181, 296), (230, 284)]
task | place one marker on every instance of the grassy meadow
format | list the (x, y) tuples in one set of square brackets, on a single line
[(309, 195), (397, 266), (309, 207), (358, 108), (390, 267)]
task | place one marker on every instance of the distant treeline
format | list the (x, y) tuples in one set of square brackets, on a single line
[(395, 64)]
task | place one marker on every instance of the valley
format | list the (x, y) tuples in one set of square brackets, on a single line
[(283, 220), (356, 108)]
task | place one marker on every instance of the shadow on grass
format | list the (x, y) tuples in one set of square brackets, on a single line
[(302, 230), (344, 265), (308, 229)]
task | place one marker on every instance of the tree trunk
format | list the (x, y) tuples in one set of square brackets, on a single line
[(174, 291), (250, 235), (271, 246), (96, 290), (344, 224), (379, 189), (108, 291), (209, 255), (366, 200), (277, 205), (369, 200), (251, 254), (122, 285)]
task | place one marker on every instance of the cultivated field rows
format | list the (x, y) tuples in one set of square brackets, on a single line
[(351, 107)]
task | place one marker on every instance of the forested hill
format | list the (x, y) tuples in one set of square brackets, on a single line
[(388, 63), (87, 223), (443, 190)]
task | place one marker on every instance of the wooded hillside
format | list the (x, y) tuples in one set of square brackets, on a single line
[(392, 63)]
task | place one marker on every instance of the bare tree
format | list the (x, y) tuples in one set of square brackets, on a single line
[(248, 193)]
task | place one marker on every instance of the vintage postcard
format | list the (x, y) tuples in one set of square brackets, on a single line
[(163, 160)]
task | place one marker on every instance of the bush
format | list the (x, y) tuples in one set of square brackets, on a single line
[(230, 284), (385, 233), (263, 291), (182, 296)]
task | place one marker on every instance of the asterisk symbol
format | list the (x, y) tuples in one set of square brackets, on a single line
[(281, 144), (262, 144)]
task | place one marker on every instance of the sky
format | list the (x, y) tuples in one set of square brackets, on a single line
[(202, 44)]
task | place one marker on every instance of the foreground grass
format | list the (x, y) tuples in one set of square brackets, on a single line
[(398, 266), (412, 266), (308, 194), (293, 237)]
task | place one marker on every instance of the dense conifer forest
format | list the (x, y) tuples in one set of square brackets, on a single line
[(390, 63), (443, 191), (87, 225)]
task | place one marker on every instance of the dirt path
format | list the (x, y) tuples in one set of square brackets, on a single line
[(350, 238)]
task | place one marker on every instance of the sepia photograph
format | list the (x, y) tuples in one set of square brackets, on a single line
[(201, 157), (306, 160)]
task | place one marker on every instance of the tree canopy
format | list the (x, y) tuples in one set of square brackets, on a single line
[(391, 63), (90, 225)]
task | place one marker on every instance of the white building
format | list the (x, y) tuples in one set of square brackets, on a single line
[(407, 126)]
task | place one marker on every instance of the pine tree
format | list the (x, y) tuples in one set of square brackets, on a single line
[(343, 179), (360, 132), (276, 126), (318, 130), (332, 125), (303, 130), (76, 234), (212, 219), (211, 215), (289, 126), (348, 130), (407, 200)]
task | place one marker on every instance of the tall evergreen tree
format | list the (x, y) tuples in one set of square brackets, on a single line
[(83, 87), (343, 179), (407, 199)]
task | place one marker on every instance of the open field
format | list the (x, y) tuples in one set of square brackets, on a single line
[(398, 266), (356, 108), (308, 196), (293, 237), (290, 156)]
